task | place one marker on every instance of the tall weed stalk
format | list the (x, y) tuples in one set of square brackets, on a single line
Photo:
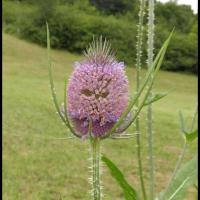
[(138, 78), (150, 55)]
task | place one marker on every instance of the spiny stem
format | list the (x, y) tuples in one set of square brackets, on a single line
[(150, 151), (150, 47), (96, 187), (138, 69)]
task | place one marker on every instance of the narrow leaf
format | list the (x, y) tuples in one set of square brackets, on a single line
[(65, 111), (51, 77), (184, 178), (129, 192), (151, 74), (182, 122), (158, 62), (53, 93), (179, 188), (154, 97)]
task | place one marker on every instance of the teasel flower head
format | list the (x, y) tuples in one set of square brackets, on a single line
[(97, 90)]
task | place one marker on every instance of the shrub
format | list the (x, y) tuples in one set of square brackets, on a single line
[(73, 27)]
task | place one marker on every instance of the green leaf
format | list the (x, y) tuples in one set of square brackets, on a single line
[(157, 63), (129, 192), (154, 97), (182, 122), (150, 76), (188, 136), (184, 178), (191, 136), (65, 111), (53, 93), (196, 187)]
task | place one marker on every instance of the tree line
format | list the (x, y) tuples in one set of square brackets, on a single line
[(73, 23)]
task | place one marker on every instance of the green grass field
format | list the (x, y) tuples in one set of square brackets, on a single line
[(38, 167)]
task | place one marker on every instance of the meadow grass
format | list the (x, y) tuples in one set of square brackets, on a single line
[(37, 167)]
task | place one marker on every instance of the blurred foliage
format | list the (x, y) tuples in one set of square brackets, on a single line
[(114, 6), (171, 14), (73, 23)]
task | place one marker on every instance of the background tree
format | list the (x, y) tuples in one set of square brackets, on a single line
[(114, 6), (171, 14)]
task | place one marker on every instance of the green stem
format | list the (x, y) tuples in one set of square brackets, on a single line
[(150, 44), (140, 166), (96, 187), (150, 151), (178, 163), (138, 69), (183, 151), (185, 144), (194, 118)]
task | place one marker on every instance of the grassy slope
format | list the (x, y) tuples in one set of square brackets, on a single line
[(36, 167)]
